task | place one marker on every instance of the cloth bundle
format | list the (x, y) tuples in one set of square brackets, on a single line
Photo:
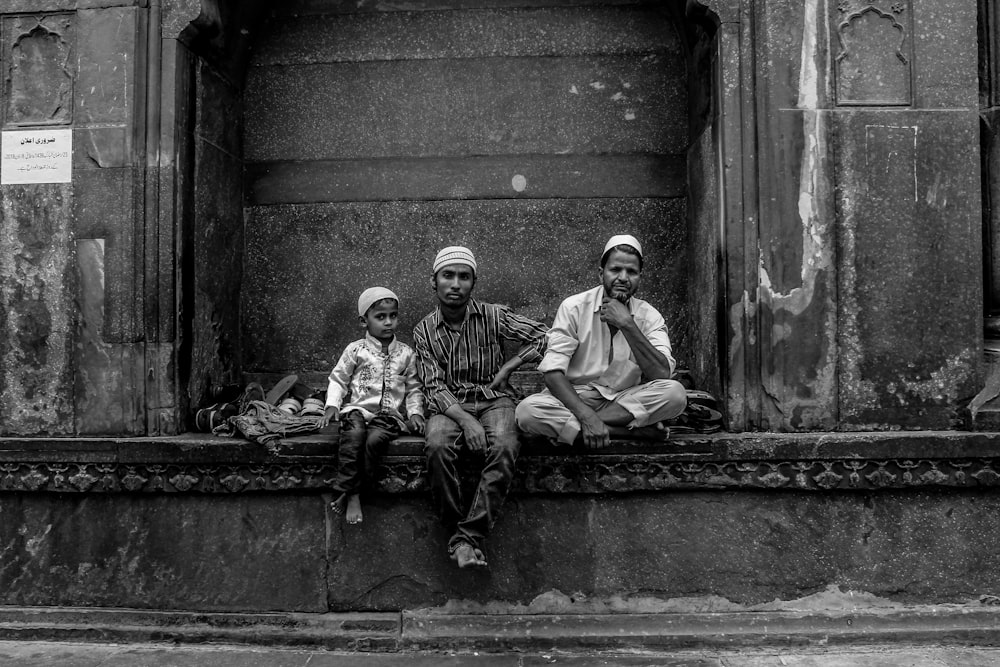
[(262, 422)]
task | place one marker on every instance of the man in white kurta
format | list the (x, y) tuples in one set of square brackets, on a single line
[(608, 360)]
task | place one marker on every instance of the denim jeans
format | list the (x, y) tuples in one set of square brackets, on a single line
[(361, 448), (446, 443)]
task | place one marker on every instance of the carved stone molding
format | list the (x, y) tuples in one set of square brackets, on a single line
[(726, 11), (611, 476), (873, 64), (38, 69), (546, 474)]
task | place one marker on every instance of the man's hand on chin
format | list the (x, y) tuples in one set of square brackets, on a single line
[(615, 312)]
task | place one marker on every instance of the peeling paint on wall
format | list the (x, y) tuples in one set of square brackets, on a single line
[(801, 379), (35, 252)]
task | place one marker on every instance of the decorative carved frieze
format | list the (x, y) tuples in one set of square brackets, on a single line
[(590, 474)]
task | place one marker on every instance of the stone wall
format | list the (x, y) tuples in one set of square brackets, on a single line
[(867, 216), (208, 524), (70, 261), (810, 198), (530, 134)]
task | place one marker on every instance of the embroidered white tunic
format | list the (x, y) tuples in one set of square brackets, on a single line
[(370, 381)]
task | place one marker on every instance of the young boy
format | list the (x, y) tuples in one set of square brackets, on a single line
[(377, 376)]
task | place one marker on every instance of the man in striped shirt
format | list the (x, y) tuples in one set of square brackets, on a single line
[(460, 360)]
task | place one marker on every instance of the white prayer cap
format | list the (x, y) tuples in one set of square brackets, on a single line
[(373, 295), (454, 254), (623, 239)]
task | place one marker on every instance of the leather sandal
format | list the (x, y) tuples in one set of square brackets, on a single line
[(281, 388)]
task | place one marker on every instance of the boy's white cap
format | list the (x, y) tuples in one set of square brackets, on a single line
[(454, 254), (623, 239), (371, 296)]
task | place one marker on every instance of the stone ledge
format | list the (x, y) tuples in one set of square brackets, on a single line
[(435, 631), (925, 625), (803, 462), (343, 632)]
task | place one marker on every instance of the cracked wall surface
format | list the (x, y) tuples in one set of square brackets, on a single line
[(868, 301)]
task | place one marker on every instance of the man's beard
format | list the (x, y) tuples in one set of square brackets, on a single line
[(620, 297)]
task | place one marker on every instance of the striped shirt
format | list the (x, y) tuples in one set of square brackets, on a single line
[(458, 366)]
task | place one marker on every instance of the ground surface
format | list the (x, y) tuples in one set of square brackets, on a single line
[(63, 654)]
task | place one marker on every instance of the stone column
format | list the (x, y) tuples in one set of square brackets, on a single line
[(87, 278), (909, 217), (850, 206)]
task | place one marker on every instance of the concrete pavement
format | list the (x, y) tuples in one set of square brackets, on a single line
[(69, 654)]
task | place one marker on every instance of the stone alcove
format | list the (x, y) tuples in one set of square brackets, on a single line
[(333, 147)]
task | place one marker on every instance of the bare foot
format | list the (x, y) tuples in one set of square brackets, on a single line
[(466, 556), (337, 506), (353, 514)]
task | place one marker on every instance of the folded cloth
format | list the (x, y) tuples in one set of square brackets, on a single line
[(262, 422)]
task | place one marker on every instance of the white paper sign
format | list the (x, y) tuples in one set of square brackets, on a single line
[(36, 156)]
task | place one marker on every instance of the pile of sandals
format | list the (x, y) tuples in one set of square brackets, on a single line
[(288, 408), (702, 414)]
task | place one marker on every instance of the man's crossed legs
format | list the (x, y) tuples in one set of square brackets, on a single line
[(643, 405)]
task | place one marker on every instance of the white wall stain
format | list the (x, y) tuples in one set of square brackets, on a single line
[(597, 85), (34, 544), (738, 312), (937, 193), (817, 241), (944, 384), (630, 114), (573, 90), (889, 159)]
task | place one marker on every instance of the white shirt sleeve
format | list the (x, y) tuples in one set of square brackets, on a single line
[(340, 377), (562, 339), (655, 329)]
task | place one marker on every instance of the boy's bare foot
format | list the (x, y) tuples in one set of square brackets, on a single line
[(337, 506), (353, 514), (466, 556)]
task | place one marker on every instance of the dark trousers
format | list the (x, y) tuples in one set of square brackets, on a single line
[(446, 443), (362, 446)]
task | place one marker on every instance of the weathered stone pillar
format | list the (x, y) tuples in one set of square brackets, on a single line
[(857, 247), (908, 211), (87, 269)]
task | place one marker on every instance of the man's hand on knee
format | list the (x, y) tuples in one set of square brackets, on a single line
[(475, 435), (593, 431), (472, 430)]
